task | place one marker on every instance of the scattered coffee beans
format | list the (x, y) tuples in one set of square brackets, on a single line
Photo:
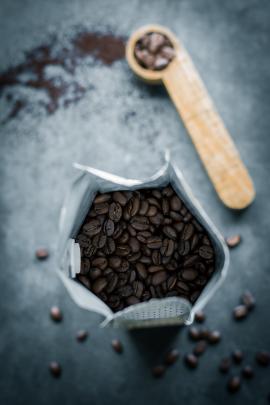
[(81, 335), (248, 300), (240, 312), (158, 371), (42, 254), (56, 314), (154, 51), (117, 346), (225, 365), (233, 241), (237, 356), (234, 383), (200, 316), (55, 369), (248, 372), (263, 358), (171, 357), (138, 245), (191, 360)]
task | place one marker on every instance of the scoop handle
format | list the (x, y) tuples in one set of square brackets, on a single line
[(208, 133)]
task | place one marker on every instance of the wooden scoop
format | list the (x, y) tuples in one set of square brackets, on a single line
[(205, 127)]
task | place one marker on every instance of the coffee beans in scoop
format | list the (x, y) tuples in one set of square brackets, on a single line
[(154, 51), (144, 244)]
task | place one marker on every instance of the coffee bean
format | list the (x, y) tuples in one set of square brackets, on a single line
[(152, 211), (200, 316), (122, 250), (102, 198), (165, 206), (119, 197), (112, 282), (100, 262), (155, 269), (206, 252), (84, 280), (92, 228), (225, 365), (144, 207), (194, 333), (158, 371), (237, 356), (234, 384), (109, 248), (156, 257), (214, 337), (159, 277), (85, 266), (125, 291), (233, 241), (101, 208), (56, 314), (175, 203), (183, 248), (99, 285), (240, 312), (81, 335), (114, 301), (247, 372), (189, 274), (167, 247), (42, 254), (263, 358), (170, 232), (191, 360), (171, 357), (115, 212), (138, 288), (141, 270), (157, 220), (117, 346), (109, 227), (154, 242), (187, 232), (132, 300), (171, 282), (94, 273), (183, 286), (200, 348), (134, 245), (55, 369), (248, 300)]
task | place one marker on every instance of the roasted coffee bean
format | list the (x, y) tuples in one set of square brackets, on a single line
[(42, 254), (248, 300), (224, 365), (237, 356), (56, 314), (248, 372), (120, 198), (102, 198), (108, 227), (138, 245), (240, 312), (234, 384), (214, 337), (170, 232), (81, 335), (233, 241), (171, 357), (205, 333), (191, 360), (194, 333), (200, 316), (159, 277), (117, 346), (158, 371), (141, 270), (55, 369), (263, 358), (115, 212), (99, 284), (92, 228), (200, 347)]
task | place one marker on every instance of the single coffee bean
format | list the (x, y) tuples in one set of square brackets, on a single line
[(132, 300), (144, 207), (141, 270), (234, 384), (115, 212), (154, 242), (237, 356), (214, 337), (122, 250), (115, 262), (171, 357), (248, 300), (167, 248), (200, 348), (224, 365), (158, 371), (134, 257), (109, 227), (155, 269), (117, 346), (171, 282), (156, 257), (247, 372), (134, 245), (183, 248), (112, 282), (263, 358), (157, 220), (101, 208), (42, 254), (233, 241), (240, 312), (109, 248), (194, 333), (206, 252), (138, 288), (92, 228), (159, 277), (55, 369), (182, 286), (125, 291), (175, 203), (94, 273), (191, 360), (152, 211), (165, 206), (119, 197), (132, 276), (100, 262), (189, 274), (187, 232), (99, 285), (81, 335), (56, 314), (102, 198), (84, 280), (170, 232), (200, 316)]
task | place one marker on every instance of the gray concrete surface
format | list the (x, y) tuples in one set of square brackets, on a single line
[(229, 43)]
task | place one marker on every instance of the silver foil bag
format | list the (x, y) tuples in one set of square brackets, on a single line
[(156, 312)]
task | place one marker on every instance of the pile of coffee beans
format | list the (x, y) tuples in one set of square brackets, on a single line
[(154, 51), (143, 244)]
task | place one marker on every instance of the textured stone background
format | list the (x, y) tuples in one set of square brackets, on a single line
[(123, 126)]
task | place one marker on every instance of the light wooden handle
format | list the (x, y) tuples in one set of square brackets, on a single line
[(208, 133)]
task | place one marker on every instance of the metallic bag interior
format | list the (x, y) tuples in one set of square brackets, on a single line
[(156, 312)]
